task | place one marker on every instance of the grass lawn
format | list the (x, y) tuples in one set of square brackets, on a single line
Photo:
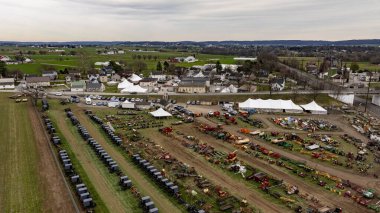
[(20, 190)]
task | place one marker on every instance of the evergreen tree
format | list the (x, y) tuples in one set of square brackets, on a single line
[(3, 68), (159, 66)]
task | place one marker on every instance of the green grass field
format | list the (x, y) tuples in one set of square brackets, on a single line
[(20, 190), (62, 62)]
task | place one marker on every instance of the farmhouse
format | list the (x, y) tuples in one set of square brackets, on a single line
[(149, 83), (51, 74), (78, 86), (95, 87), (158, 74), (278, 84), (34, 82), (191, 87), (7, 83), (103, 78), (115, 77)]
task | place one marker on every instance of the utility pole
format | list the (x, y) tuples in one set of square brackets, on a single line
[(369, 85)]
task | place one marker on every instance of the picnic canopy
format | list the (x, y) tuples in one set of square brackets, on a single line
[(314, 108), (230, 89), (271, 105), (160, 113)]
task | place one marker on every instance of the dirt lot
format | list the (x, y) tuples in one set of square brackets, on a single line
[(142, 183), (322, 195), (58, 197), (347, 175)]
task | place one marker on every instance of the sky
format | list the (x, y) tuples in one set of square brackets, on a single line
[(195, 20)]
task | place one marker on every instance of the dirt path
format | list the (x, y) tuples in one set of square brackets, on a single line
[(58, 197), (143, 184), (236, 188), (100, 183), (354, 178), (325, 197)]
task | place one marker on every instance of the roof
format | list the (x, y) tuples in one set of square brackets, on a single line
[(160, 113), (149, 79), (91, 85), (37, 79), (157, 73), (78, 84), (49, 72), (7, 80), (192, 84), (279, 81)]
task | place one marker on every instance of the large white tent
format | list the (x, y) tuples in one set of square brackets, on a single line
[(314, 108), (128, 87), (134, 89), (160, 113), (271, 105), (124, 84)]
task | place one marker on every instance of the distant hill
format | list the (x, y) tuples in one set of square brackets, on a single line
[(362, 42)]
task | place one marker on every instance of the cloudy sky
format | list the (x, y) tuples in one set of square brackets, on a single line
[(199, 20)]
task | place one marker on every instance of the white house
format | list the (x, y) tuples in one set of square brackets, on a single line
[(33, 82), (78, 86), (7, 83), (278, 84), (148, 83)]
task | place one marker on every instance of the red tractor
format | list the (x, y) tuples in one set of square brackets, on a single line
[(166, 130)]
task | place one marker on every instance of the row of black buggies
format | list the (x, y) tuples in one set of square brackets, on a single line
[(164, 182), (80, 188), (114, 138)]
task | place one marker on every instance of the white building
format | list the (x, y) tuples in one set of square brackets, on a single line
[(7, 83)]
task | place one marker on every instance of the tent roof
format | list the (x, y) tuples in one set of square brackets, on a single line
[(160, 113), (134, 88), (124, 84), (313, 106), (270, 104), (135, 77)]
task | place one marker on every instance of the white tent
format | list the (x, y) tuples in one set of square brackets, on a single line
[(199, 75), (271, 105), (113, 104), (127, 105), (134, 89), (135, 78), (314, 108), (160, 113), (230, 89), (124, 84)]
